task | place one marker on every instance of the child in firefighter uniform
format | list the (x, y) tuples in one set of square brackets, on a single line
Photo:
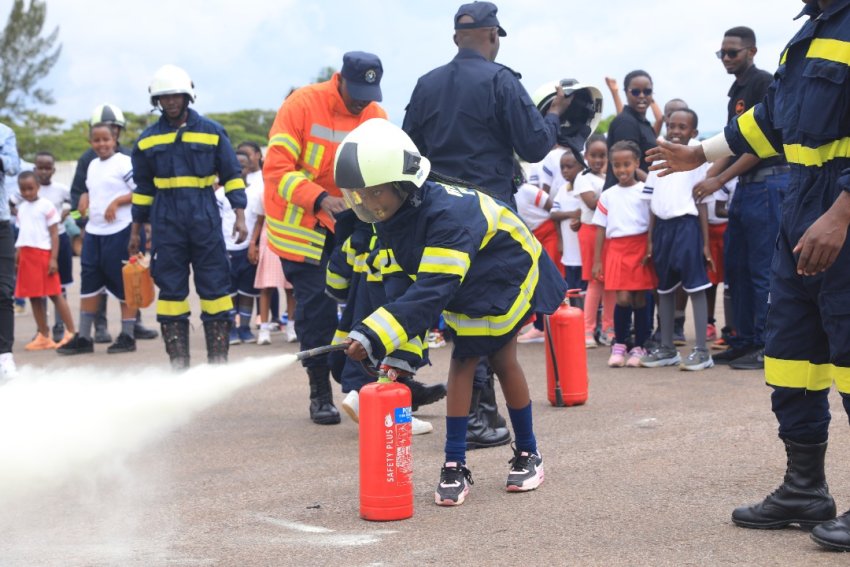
[(454, 250), (175, 163)]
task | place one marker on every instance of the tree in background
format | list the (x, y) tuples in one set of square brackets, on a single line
[(25, 59)]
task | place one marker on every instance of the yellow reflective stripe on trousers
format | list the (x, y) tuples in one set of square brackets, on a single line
[(816, 157), (289, 182), (829, 49), (313, 155), (754, 135), (339, 337), (170, 308), (390, 332), (444, 261), (286, 142), (183, 182), (157, 140), (142, 200), (215, 306), (234, 184), (797, 374), (200, 138)]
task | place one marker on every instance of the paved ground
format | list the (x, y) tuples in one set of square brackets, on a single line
[(646, 473)]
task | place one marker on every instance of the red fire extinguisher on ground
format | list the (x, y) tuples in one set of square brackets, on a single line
[(566, 355), (386, 464)]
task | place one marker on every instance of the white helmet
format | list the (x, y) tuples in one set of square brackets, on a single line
[(375, 153), (171, 79), (107, 114), (586, 107)]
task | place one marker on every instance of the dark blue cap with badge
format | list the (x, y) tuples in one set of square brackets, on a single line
[(483, 15), (362, 73)]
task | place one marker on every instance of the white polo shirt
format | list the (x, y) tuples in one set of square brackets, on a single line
[(106, 181), (623, 211), (34, 220), (588, 183), (672, 196)]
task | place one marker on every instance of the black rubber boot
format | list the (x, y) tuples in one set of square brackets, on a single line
[(803, 498), (488, 406), (217, 335), (834, 534), (322, 409), (175, 334), (480, 434), (422, 394)]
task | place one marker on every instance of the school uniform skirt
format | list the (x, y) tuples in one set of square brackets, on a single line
[(715, 243), (33, 280), (269, 268), (624, 268), (587, 247)]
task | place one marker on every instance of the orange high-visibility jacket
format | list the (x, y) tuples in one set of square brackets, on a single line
[(298, 167)]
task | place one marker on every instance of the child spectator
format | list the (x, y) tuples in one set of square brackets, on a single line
[(243, 271), (588, 187), (566, 211), (110, 189), (624, 215), (37, 261), (679, 248)]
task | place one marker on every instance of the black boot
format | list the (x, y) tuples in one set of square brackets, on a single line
[(834, 534), (488, 407), (217, 334), (803, 498), (322, 409), (175, 334), (421, 394), (480, 434)]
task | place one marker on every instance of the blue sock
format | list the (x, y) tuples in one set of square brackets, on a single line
[(523, 428), (456, 439), (622, 323), (642, 325)]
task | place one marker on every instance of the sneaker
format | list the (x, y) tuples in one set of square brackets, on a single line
[(77, 345), (533, 336), (661, 356), (607, 338), (140, 332), (58, 332), (436, 339), (245, 334), (526, 471), (751, 361), (732, 353), (124, 343), (291, 336), (264, 335), (589, 341), (234, 336), (719, 344), (20, 309), (618, 356), (699, 359), (351, 405), (7, 366), (525, 328), (102, 336), (66, 338), (635, 355), (711, 333), (41, 342), (420, 426), (455, 480)]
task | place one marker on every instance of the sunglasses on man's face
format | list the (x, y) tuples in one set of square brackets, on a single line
[(730, 53), (636, 92)]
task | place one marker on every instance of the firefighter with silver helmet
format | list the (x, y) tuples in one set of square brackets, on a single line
[(486, 280), (175, 163)]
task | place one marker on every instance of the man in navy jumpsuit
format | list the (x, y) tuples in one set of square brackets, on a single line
[(806, 116), (175, 163), (469, 117)]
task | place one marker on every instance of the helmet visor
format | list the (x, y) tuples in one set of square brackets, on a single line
[(374, 204)]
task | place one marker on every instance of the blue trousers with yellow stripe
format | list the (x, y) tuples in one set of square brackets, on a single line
[(807, 342)]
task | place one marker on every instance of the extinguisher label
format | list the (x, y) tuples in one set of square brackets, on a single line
[(403, 415)]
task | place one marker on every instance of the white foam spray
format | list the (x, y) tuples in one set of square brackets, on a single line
[(72, 422)]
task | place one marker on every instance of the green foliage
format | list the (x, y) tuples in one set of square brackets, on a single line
[(246, 125), (25, 59), (604, 124), (325, 74)]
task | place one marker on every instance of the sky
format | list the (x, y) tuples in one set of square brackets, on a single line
[(247, 54)]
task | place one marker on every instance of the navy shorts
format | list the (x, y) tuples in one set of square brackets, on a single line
[(242, 273), (101, 262), (65, 260), (677, 254)]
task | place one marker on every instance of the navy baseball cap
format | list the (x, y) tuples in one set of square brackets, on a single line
[(483, 15), (362, 73)]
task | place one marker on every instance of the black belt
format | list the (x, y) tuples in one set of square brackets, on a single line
[(764, 173)]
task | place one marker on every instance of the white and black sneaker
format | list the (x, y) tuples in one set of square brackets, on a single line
[(526, 471), (455, 480)]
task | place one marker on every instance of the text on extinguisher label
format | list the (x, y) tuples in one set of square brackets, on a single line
[(397, 434)]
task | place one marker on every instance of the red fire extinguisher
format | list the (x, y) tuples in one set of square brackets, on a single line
[(386, 465), (566, 355)]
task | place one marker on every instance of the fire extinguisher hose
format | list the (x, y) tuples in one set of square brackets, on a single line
[(318, 351), (559, 397)]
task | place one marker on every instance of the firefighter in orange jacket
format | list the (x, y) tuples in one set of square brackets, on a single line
[(301, 199)]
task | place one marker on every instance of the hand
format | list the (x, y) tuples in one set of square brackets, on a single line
[(253, 254), (575, 224), (356, 350), (240, 229), (612, 84), (109, 214), (333, 205), (706, 187), (597, 271), (820, 244), (709, 260), (560, 103), (647, 258), (133, 243), (52, 267), (674, 157)]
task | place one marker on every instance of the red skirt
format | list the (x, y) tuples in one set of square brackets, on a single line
[(33, 280), (587, 246), (547, 235), (715, 243), (624, 270)]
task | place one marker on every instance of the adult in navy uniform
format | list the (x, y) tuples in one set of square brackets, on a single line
[(806, 116), (469, 117)]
